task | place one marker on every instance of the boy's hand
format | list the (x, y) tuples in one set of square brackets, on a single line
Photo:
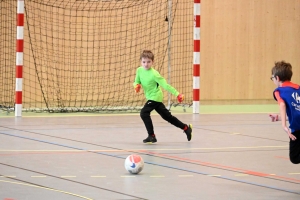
[(289, 133), (292, 136), (180, 98), (137, 88)]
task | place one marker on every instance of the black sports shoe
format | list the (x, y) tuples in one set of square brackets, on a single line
[(150, 139), (188, 132)]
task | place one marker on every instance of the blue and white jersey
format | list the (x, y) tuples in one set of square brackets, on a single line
[(291, 97)]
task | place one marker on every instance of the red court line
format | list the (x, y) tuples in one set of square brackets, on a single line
[(208, 164), (285, 158), (249, 172)]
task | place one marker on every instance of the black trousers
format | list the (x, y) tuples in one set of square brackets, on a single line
[(295, 148), (162, 111)]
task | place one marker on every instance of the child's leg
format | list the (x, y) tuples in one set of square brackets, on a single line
[(145, 115), (295, 148), (166, 115)]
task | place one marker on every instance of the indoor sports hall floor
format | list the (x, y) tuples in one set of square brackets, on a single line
[(81, 156)]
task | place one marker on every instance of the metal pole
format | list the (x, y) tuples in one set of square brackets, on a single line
[(196, 57), (19, 57)]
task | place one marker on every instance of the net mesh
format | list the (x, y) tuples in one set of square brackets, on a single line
[(82, 55), (7, 54)]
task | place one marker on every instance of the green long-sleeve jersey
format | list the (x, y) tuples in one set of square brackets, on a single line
[(151, 81)]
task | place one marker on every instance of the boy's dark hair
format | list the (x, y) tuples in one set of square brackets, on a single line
[(147, 54), (283, 70)]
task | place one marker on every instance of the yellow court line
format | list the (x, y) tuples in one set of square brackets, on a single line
[(126, 150), (46, 188)]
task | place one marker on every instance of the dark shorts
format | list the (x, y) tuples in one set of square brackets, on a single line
[(295, 148)]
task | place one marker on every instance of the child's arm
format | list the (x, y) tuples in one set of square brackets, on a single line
[(137, 82), (163, 83), (137, 78), (282, 107), (276, 117)]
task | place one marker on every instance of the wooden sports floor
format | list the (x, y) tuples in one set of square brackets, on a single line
[(71, 157)]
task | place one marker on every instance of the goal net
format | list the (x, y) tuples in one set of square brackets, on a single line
[(82, 55)]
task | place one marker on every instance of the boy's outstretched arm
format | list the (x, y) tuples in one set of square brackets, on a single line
[(163, 83), (282, 107)]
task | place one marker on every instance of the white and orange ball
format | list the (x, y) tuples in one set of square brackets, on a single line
[(134, 164)]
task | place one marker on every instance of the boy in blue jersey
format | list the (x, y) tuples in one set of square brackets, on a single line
[(151, 82), (287, 94)]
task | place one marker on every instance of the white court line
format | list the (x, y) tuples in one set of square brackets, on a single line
[(125, 150)]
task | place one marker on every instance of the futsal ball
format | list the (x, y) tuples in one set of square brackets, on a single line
[(134, 164)]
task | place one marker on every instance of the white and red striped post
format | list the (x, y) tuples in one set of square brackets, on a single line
[(19, 57), (196, 57)]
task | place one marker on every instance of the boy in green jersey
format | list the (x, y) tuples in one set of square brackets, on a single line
[(152, 81)]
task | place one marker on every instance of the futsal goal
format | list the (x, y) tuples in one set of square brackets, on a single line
[(82, 55)]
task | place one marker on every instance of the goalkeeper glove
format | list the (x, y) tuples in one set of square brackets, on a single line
[(180, 98), (137, 88)]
